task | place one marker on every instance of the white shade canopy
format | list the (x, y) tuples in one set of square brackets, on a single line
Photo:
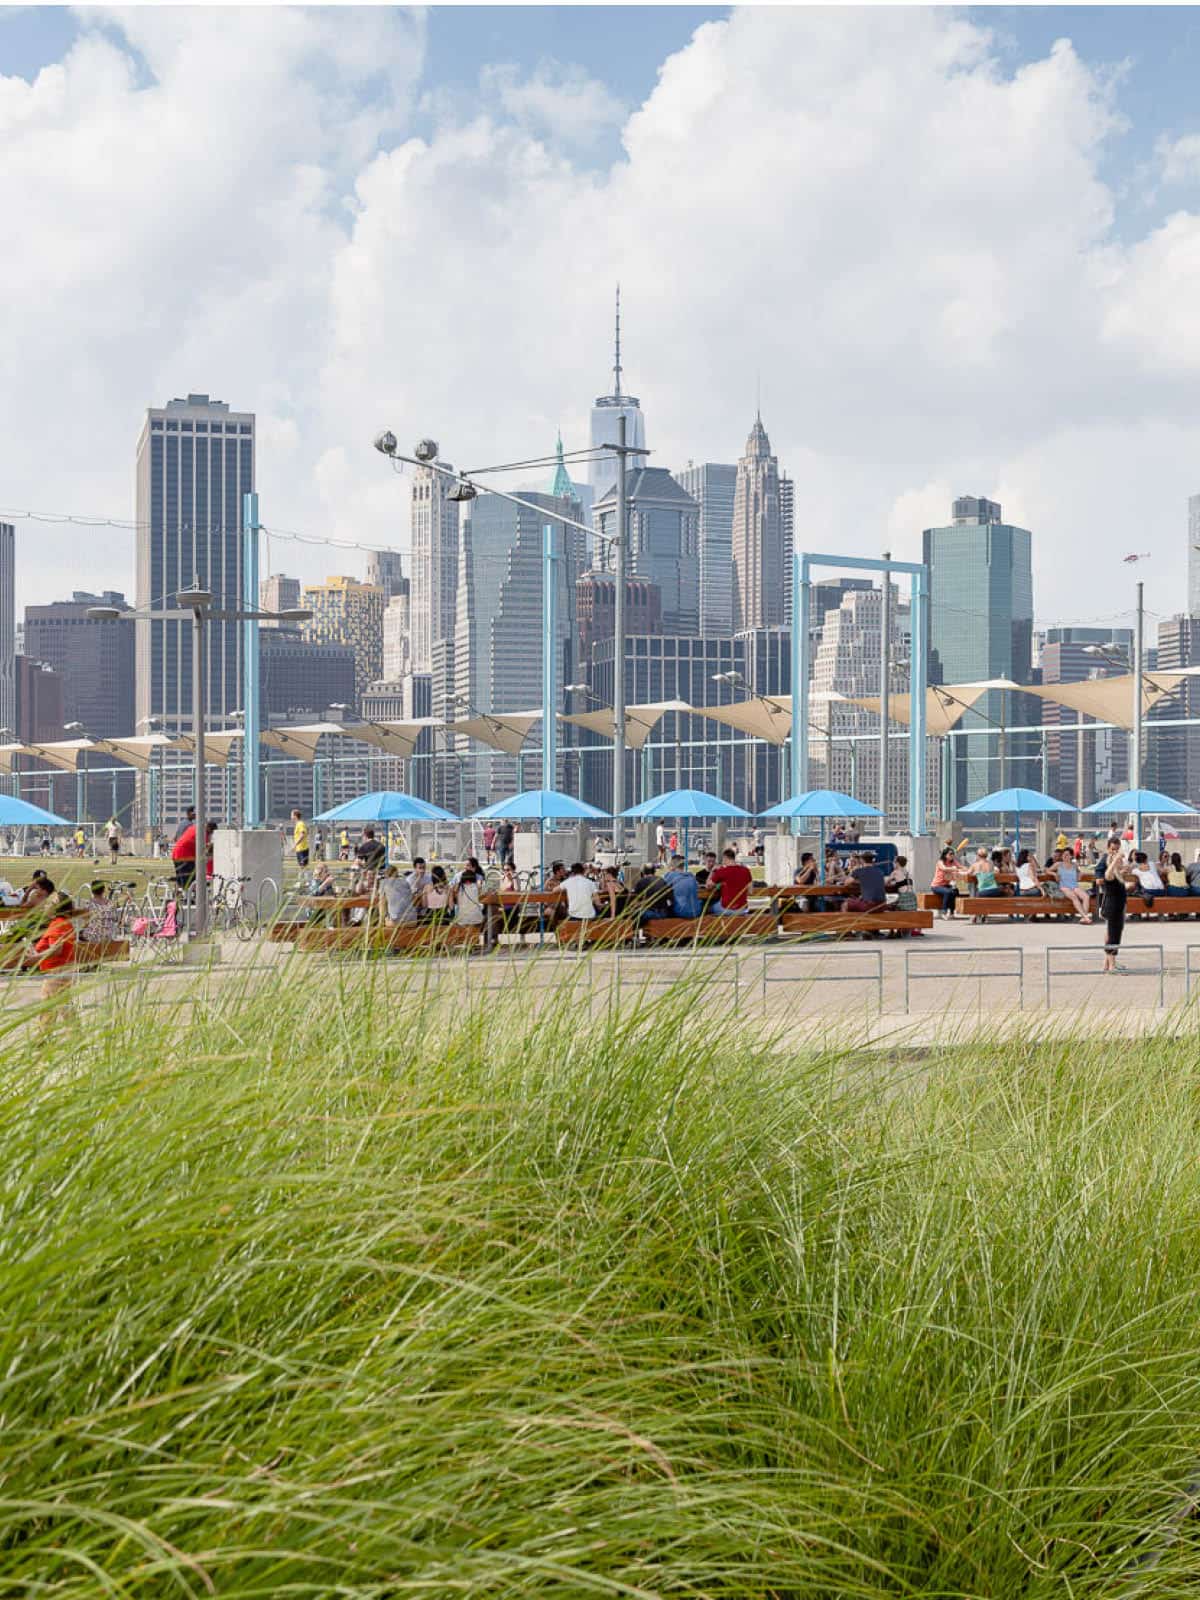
[(762, 716), (501, 730), (640, 720)]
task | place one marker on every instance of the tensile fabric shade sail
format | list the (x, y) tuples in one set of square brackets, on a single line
[(386, 805), (539, 805), (822, 803), (16, 813), (685, 803)]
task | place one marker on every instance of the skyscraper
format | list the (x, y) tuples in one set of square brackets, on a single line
[(385, 569), (607, 408), (397, 633), (757, 537), (1172, 756), (278, 593), (498, 633), (663, 524), (95, 660), (787, 525), (195, 461), (434, 564), (1075, 752), (712, 485), (981, 626), (347, 612), (8, 626)]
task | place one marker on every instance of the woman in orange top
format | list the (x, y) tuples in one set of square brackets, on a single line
[(56, 949)]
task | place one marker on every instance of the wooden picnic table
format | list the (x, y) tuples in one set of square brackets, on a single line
[(337, 906)]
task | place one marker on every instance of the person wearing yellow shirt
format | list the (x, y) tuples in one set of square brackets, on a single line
[(300, 839), (344, 845)]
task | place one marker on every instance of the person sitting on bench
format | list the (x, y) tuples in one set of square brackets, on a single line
[(1027, 875), (581, 894), (1149, 882), (685, 892), (1177, 880), (872, 892), (652, 897), (984, 873)]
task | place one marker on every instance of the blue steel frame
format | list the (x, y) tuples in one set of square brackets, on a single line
[(802, 564), (251, 779)]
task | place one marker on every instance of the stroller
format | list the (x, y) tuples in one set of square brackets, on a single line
[(158, 936)]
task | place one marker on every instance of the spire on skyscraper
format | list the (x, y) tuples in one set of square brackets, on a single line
[(562, 485), (617, 354)]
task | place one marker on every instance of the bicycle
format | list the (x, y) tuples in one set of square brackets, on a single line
[(229, 909)]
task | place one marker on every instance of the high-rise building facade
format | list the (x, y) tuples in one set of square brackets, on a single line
[(757, 537), (663, 523), (787, 527), (848, 663), (397, 633), (8, 626), (278, 593), (95, 662), (298, 677), (195, 462), (1172, 755), (981, 626), (684, 751), (1193, 555), (348, 612), (435, 524), (498, 637), (385, 569), (711, 485), (595, 609), (606, 410), (1076, 752)]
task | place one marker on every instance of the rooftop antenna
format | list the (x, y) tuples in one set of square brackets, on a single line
[(758, 397), (617, 360)]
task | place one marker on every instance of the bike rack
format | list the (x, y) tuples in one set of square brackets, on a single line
[(1189, 970), (817, 955), (975, 972), (1093, 971)]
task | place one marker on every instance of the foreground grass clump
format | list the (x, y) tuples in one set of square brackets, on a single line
[(337, 1293)]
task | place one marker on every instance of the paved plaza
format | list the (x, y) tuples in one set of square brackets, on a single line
[(957, 982)]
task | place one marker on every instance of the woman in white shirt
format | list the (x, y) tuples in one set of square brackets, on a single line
[(1149, 882), (1027, 877), (468, 905)]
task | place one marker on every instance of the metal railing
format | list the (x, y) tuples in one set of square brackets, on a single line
[(1156, 970), (774, 958), (973, 971)]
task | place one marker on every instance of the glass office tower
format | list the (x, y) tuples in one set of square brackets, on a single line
[(981, 626)]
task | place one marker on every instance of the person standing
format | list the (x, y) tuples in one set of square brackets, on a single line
[(504, 843), (1112, 904), (300, 838), (113, 833), (489, 843), (660, 840)]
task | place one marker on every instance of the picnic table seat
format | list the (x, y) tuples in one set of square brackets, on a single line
[(843, 923), (715, 929), (425, 938), (597, 933)]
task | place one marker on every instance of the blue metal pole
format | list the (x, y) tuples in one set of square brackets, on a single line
[(549, 656), (251, 780), (800, 672), (918, 673)]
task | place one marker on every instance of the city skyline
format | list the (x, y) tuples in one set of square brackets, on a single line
[(1045, 351)]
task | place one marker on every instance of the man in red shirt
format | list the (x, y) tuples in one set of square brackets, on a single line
[(183, 854), (734, 882)]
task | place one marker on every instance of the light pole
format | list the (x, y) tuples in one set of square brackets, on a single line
[(425, 454), (199, 601), (885, 685), (78, 729)]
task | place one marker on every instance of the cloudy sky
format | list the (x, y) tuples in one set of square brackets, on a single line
[(960, 250)]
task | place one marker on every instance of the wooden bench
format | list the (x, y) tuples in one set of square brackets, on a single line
[(709, 930), (842, 923), (1015, 905), (409, 938), (598, 933), (91, 952)]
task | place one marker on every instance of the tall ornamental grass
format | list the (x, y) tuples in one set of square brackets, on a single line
[(319, 1292)]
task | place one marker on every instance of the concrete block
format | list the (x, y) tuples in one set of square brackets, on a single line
[(256, 853)]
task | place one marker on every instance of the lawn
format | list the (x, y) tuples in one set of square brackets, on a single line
[(320, 1296)]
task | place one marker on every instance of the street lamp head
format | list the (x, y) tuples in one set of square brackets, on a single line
[(294, 614), (385, 442), (463, 491), (426, 450), (195, 598), (102, 613), (576, 688)]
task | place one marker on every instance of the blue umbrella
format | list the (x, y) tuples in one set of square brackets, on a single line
[(686, 804), (1016, 800), (822, 803), (540, 806), (1142, 802), (386, 805), (16, 813)]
